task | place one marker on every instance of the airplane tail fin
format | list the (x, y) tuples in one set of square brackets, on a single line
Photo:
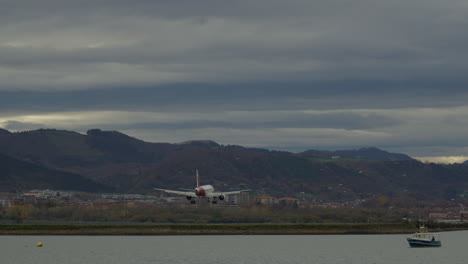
[(198, 179)]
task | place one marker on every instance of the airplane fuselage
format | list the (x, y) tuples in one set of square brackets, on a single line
[(202, 191)]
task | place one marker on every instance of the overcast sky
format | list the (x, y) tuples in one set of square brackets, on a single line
[(290, 75)]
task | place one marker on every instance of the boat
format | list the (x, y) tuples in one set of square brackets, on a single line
[(424, 239)]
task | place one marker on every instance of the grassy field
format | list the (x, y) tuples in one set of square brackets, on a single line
[(215, 229)]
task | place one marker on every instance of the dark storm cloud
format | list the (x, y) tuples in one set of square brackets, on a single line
[(62, 44), (245, 96), (328, 74), (348, 121)]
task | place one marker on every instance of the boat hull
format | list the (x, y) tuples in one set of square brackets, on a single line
[(423, 243)]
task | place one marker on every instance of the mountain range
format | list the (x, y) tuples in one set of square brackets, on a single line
[(103, 161)]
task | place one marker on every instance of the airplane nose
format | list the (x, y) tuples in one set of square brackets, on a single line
[(197, 191)]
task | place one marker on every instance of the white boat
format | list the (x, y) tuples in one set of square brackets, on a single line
[(424, 239)]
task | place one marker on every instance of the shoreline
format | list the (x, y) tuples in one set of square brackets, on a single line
[(217, 229)]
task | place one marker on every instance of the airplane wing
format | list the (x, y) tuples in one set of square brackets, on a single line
[(216, 194), (176, 192)]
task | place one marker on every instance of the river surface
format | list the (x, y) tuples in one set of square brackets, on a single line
[(268, 249)]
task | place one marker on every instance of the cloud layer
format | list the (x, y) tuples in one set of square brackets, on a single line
[(66, 45), (296, 75)]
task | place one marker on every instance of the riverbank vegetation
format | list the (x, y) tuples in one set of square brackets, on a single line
[(216, 229), (143, 219), (144, 213)]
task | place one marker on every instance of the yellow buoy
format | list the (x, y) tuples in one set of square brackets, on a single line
[(39, 244)]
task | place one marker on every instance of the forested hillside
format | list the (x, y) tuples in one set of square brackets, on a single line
[(126, 164)]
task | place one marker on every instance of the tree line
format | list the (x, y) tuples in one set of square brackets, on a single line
[(144, 213)]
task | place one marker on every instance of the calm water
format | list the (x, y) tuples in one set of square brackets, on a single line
[(328, 249)]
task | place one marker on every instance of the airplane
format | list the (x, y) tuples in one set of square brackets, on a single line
[(203, 191)]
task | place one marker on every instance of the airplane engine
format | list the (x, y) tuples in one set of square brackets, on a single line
[(221, 197), (189, 197)]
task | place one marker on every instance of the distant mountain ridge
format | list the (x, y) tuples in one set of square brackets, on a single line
[(4, 132), (122, 163), (370, 153)]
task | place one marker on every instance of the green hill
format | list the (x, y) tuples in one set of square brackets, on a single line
[(131, 165), (16, 175)]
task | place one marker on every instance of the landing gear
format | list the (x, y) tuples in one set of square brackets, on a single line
[(192, 202), (214, 202)]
